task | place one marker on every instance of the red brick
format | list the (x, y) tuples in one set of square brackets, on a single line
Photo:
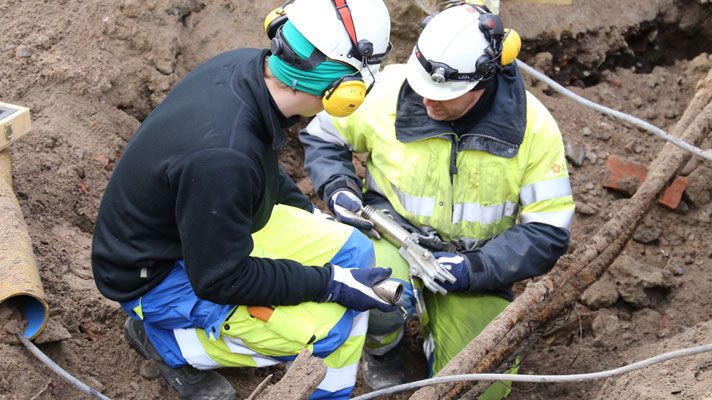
[(626, 176), (673, 194), (623, 175)]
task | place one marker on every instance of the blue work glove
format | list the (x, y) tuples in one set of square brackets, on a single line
[(459, 266), (347, 208), (352, 288)]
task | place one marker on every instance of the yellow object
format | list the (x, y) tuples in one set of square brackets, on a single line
[(19, 277), (344, 96), (511, 46), (274, 20)]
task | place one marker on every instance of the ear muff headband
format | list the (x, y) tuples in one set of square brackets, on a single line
[(281, 48)]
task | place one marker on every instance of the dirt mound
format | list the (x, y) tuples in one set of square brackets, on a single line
[(687, 378), (91, 71)]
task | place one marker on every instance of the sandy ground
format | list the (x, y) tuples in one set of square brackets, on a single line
[(92, 70)]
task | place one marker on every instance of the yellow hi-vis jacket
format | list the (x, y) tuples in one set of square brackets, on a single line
[(470, 187)]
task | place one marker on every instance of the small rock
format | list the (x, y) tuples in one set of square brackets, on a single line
[(605, 323), (691, 165), (646, 235), (703, 216), (637, 102), (602, 135), (23, 52), (638, 149), (591, 157), (589, 186), (585, 131), (601, 294), (670, 113), (652, 35), (149, 370), (677, 270), (575, 153), (586, 209)]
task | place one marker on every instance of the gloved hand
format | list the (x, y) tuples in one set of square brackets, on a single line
[(352, 288), (459, 266), (347, 208)]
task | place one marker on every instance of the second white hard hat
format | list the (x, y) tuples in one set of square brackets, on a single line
[(454, 38)]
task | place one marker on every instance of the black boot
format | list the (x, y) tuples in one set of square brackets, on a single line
[(385, 370), (191, 383)]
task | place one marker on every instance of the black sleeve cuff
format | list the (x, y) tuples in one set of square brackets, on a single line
[(341, 184), (475, 267)]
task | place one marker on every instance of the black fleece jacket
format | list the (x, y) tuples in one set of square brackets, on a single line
[(195, 181)]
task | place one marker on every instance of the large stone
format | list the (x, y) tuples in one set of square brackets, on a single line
[(640, 284), (603, 293)]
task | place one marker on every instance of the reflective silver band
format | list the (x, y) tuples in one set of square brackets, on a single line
[(561, 219), (545, 190), (485, 215)]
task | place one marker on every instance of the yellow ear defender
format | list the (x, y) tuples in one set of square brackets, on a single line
[(511, 45), (274, 20), (344, 96)]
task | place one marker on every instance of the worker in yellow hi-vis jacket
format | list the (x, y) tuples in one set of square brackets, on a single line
[(460, 153)]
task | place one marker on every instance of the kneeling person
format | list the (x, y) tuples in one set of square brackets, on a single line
[(207, 243)]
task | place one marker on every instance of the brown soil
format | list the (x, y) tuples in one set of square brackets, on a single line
[(11, 322), (90, 71)]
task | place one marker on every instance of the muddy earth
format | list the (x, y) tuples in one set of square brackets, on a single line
[(91, 71)]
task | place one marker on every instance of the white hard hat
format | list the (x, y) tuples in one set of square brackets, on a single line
[(454, 38), (319, 22)]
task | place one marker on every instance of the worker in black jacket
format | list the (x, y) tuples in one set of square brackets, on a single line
[(207, 243)]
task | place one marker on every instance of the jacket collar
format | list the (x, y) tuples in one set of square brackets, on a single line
[(263, 105), (500, 131)]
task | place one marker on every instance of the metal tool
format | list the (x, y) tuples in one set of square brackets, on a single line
[(421, 261), (391, 291)]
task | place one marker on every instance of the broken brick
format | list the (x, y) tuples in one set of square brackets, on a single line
[(626, 176)]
